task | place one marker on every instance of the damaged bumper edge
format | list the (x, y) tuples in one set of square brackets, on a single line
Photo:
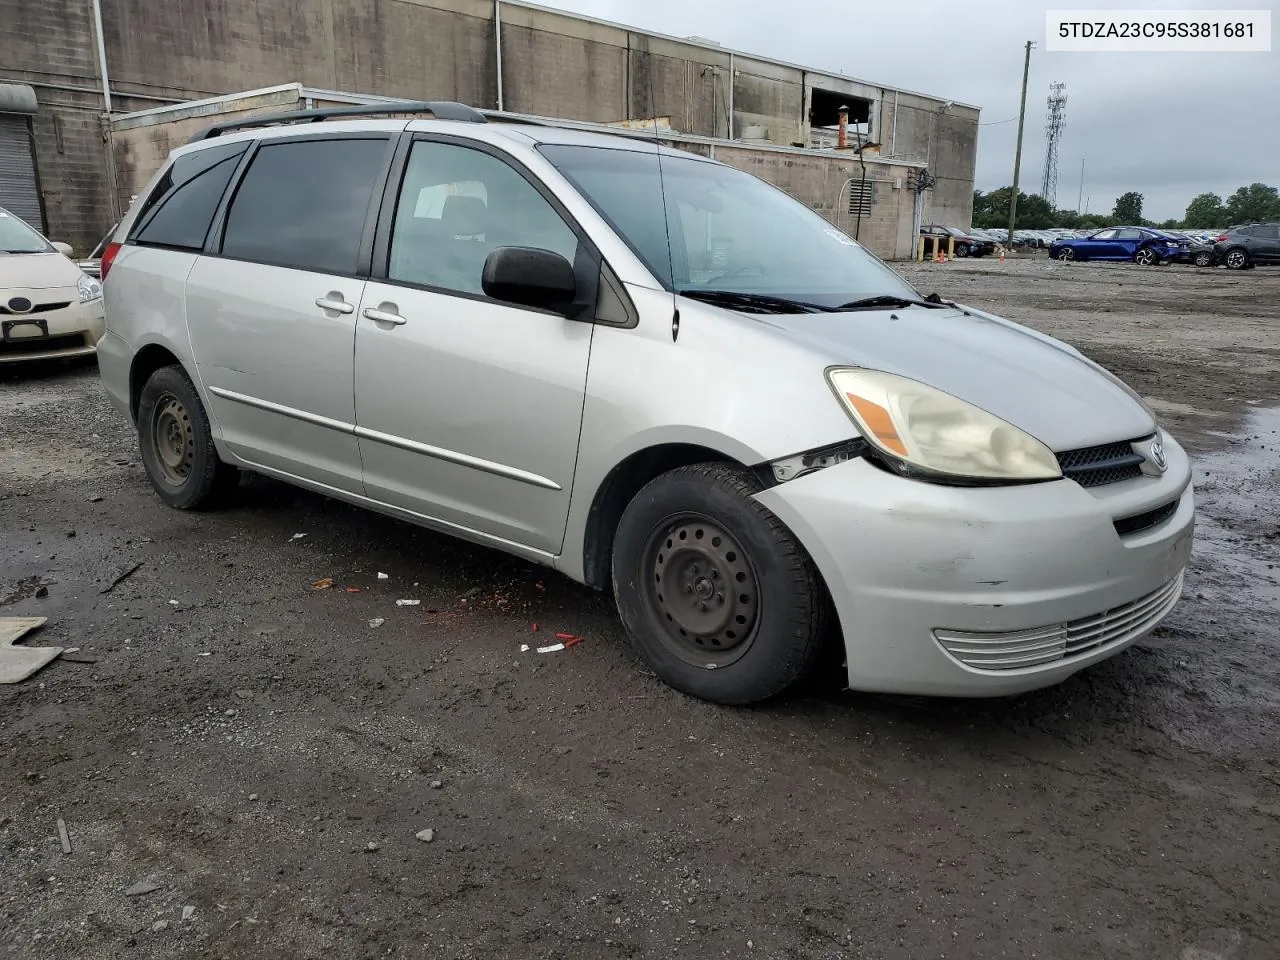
[(908, 563)]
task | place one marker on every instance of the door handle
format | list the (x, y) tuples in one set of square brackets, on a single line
[(383, 316), (337, 306)]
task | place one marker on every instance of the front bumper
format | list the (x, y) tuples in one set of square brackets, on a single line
[(72, 331), (916, 568)]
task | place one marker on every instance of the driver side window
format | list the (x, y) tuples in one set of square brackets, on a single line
[(1105, 235), (457, 205)]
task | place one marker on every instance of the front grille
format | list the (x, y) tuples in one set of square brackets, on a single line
[(1126, 526), (12, 348), (1018, 649), (1096, 466), (36, 308)]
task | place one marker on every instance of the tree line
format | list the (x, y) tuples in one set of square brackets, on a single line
[(1258, 201)]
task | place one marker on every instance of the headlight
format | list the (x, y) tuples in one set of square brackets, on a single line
[(937, 433), (90, 289)]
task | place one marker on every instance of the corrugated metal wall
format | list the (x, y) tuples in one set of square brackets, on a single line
[(19, 192)]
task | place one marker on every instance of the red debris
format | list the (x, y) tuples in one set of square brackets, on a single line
[(535, 628), (567, 636)]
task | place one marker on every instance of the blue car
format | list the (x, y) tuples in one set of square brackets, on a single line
[(1140, 245)]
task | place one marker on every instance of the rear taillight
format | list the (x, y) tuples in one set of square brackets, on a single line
[(1221, 239), (108, 258)]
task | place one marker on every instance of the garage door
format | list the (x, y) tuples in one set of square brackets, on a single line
[(18, 191)]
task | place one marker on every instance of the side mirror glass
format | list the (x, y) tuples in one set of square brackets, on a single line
[(529, 277)]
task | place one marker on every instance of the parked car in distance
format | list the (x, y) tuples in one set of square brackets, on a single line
[(1247, 246), (48, 307), (1139, 245), (965, 244), (765, 443)]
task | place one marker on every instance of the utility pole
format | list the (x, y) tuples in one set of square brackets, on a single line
[(1080, 195), (1017, 156)]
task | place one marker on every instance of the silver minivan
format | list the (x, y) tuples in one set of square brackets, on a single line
[(655, 373)]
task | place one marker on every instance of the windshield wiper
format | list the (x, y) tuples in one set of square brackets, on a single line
[(892, 300), (16, 252), (760, 302)]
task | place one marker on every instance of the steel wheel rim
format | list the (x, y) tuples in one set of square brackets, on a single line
[(702, 592), (173, 440)]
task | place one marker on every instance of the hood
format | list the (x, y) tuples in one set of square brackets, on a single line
[(1030, 380), (36, 271)]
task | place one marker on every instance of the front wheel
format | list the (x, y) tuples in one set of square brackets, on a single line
[(1236, 260), (1146, 257), (1066, 255), (716, 594), (177, 444), (962, 251)]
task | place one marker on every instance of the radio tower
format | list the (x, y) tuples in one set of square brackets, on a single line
[(1054, 122)]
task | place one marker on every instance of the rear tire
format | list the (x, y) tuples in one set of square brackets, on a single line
[(1236, 259), (176, 442), (716, 594), (1146, 257), (1203, 259)]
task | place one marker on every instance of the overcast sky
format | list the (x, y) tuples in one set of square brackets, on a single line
[(1167, 125)]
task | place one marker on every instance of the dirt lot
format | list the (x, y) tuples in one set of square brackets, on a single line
[(260, 753)]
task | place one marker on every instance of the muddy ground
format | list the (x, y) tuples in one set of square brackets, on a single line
[(264, 757)]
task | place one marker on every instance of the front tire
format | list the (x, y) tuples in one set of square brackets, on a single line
[(177, 443), (716, 594), (962, 251), (1066, 255)]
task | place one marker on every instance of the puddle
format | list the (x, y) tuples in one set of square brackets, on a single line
[(1238, 521)]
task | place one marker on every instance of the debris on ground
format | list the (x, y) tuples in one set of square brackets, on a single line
[(426, 836), (377, 621), (437, 784), (567, 640), (63, 836), (324, 583), (19, 663), (142, 888), (408, 603), (188, 912), (297, 536), (383, 576), (159, 925), (372, 847), (122, 577), (524, 648), (353, 589)]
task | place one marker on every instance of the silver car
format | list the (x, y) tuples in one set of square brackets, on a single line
[(660, 376)]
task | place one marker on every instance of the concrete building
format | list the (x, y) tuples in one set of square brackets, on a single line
[(78, 146)]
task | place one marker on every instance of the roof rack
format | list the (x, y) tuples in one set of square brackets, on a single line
[(440, 109)]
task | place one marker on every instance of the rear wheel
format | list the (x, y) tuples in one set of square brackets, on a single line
[(177, 444), (1203, 259), (1236, 259), (716, 594), (1146, 257)]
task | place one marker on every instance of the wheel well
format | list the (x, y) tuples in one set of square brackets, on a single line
[(619, 487), (149, 359)]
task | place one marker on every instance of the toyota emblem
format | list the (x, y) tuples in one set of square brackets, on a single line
[(1157, 455)]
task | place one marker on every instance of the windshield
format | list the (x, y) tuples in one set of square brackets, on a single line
[(728, 230), (17, 237)]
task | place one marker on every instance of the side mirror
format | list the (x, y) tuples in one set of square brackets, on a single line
[(62, 248), (529, 277)]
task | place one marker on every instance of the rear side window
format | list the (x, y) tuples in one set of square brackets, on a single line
[(303, 203), (180, 209)]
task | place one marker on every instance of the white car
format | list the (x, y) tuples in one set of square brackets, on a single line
[(49, 308)]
